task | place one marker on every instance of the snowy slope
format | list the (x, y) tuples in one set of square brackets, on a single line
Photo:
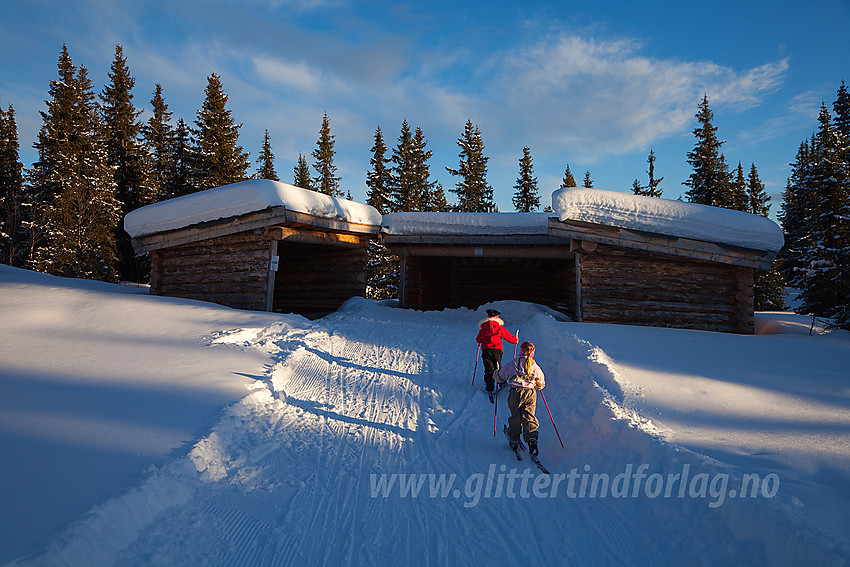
[(292, 472), (97, 383)]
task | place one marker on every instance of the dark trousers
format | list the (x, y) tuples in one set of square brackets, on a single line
[(492, 359), (523, 405)]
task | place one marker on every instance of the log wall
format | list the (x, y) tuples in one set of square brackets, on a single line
[(619, 285), (230, 270), (233, 270)]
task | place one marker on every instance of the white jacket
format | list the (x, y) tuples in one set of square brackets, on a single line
[(514, 374)]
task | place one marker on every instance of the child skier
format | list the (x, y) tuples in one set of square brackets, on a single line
[(524, 377), (490, 335)]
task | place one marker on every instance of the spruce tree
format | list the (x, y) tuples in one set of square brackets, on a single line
[(653, 189), (816, 217), (127, 156), (588, 182), (326, 181), (182, 178), (379, 177), (437, 202), (738, 197), (759, 200), (45, 177), (382, 267), (404, 191), (473, 193), (769, 285), (158, 136), (526, 198), (266, 160), (709, 182), (797, 214), (769, 290), (841, 108), (12, 233), (120, 119), (569, 180), (302, 174), (423, 186), (221, 160), (73, 183), (410, 179), (822, 277), (382, 272)]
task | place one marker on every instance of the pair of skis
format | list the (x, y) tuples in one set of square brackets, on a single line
[(522, 447)]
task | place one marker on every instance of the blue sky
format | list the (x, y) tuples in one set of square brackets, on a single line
[(595, 85)]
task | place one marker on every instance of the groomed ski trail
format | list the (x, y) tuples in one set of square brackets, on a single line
[(289, 474)]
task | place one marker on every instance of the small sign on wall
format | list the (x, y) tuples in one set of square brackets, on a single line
[(275, 263)]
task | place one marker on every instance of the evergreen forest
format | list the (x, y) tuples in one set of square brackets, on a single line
[(100, 156)]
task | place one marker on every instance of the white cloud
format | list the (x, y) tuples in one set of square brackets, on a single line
[(592, 97), (297, 75), (800, 116)]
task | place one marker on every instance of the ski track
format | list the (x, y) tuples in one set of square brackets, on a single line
[(369, 398), (285, 475)]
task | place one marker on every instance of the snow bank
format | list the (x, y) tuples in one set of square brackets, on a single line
[(664, 216), (466, 223), (291, 473), (98, 382), (241, 198)]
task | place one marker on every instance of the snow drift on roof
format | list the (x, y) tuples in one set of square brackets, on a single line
[(664, 216), (241, 198), (466, 223)]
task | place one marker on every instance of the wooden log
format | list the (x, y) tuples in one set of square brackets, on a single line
[(231, 289), (662, 318), (156, 271), (684, 247), (248, 223), (212, 279), (658, 306), (289, 234)]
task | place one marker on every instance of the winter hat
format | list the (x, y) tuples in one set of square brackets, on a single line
[(492, 313)]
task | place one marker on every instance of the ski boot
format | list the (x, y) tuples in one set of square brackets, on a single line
[(532, 448)]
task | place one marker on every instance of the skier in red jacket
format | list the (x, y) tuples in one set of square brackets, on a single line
[(490, 336)]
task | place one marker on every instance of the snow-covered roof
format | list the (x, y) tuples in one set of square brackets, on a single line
[(466, 223), (242, 198), (668, 217)]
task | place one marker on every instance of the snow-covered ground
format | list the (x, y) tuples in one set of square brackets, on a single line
[(138, 430)]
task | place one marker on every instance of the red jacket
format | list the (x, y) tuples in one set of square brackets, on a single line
[(492, 332)]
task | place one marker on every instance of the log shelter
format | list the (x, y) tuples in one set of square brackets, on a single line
[(590, 272), (272, 260)]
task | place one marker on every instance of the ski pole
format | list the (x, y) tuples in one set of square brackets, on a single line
[(495, 413), (474, 370), (552, 418), (517, 342)]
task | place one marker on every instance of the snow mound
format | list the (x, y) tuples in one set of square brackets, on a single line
[(668, 217), (466, 223), (241, 198)]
